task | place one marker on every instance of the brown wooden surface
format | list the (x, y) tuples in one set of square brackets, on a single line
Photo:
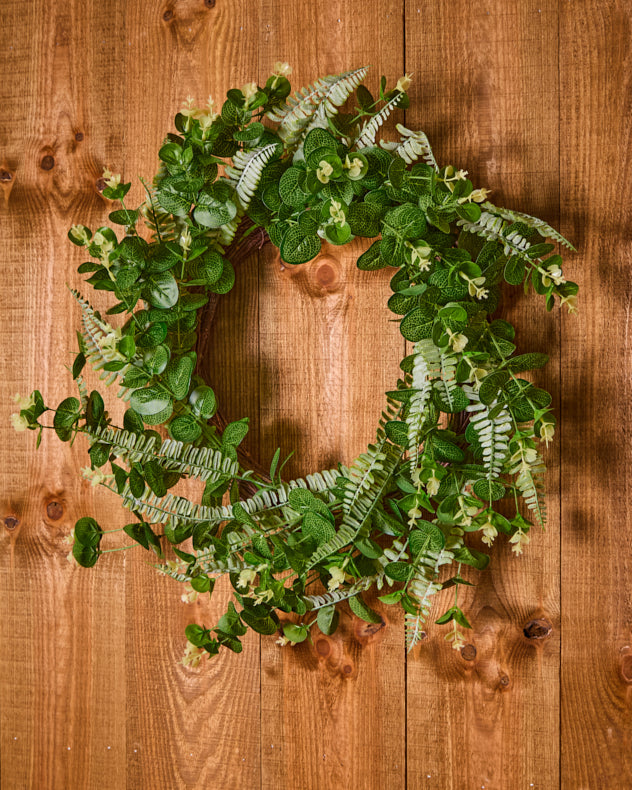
[(533, 98)]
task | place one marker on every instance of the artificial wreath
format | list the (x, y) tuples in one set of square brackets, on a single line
[(461, 430)]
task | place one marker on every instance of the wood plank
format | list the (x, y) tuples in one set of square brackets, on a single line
[(487, 716), (596, 716), (62, 650), (332, 713), (187, 727)]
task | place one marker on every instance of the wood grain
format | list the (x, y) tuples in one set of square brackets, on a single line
[(596, 677), (474, 100), (191, 728), (533, 98)]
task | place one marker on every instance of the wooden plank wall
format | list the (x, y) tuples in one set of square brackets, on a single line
[(533, 98)]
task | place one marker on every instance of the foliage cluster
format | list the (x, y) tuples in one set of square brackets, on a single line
[(461, 430)]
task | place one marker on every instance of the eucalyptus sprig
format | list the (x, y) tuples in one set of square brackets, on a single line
[(461, 430)]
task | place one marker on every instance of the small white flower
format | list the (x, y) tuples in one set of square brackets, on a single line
[(249, 90), (354, 166), (432, 486), (570, 301), (282, 69), (489, 532), (337, 578), (420, 256), (336, 213), (460, 175), (480, 195), (80, 234), (547, 431), (24, 401), (185, 239), (189, 595), (457, 340), (519, 539), (324, 171), (456, 638), (70, 538), (478, 374), (19, 423), (282, 641), (192, 656), (96, 476), (403, 83), (105, 244), (112, 180), (70, 557), (246, 578), (189, 109), (552, 273)]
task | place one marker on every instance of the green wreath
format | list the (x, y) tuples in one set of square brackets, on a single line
[(461, 429)]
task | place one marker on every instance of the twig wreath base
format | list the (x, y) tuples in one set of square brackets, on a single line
[(460, 432)]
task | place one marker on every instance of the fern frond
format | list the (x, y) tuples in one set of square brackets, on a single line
[(314, 602), (83, 392), (203, 463), (421, 588), (311, 106), (393, 411), (446, 384), (530, 483), (245, 172), (163, 225), (543, 228), (368, 478), (492, 434), (212, 567), (412, 146), (178, 509), (97, 336), (426, 368), (370, 128)]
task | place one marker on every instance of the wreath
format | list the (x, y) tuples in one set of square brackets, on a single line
[(460, 435)]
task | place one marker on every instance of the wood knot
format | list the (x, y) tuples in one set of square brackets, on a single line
[(100, 184), (79, 136), (537, 629), (347, 670), (209, 3), (11, 522), (468, 652), (364, 630), (323, 648), (48, 162), (168, 15), (54, 511), (325, 274), (626, 668), (504, 682), (5, 176)]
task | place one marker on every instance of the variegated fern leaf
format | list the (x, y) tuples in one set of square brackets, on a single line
[(203, 463), (178, 509), (246, 169), (412, 146), (311, 106), (364, 487), (422, 587), (492, 434), (99, 339), (543, 228), (163, 225), (369, 129), (530, 483), (426, 369)]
